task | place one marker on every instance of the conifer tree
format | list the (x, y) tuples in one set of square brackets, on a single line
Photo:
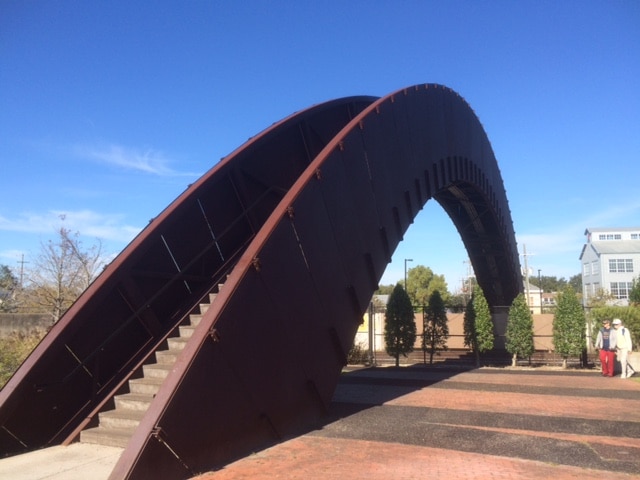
[(8, 286), (484, 322), (519, 335), (469, 325), (400, 325), (634, 294), (436, 330), (478, 325), (569, 326)]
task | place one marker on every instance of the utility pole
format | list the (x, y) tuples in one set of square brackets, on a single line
[(526, 273), (540, 287), (467, 281), (22, 262)]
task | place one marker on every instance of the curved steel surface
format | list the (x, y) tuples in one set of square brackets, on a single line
[(154, 283), (266, 357), (318, 219)]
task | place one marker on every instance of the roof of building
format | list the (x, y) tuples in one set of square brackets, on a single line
[(612, 229), (617, 247), (532, 287), (383, 299), (584, 249)]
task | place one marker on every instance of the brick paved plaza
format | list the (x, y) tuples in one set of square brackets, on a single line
[(415, 423)]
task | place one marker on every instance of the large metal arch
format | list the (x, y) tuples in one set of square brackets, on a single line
[(329, 241), (153, 284), (297, 287), (481, 230)]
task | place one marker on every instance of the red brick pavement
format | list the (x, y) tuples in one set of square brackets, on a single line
[(328, 459), (317, 457)]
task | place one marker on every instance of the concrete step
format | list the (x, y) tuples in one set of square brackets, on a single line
[(167, 357), (176, 343), (196, 317), (110, 437), (186, 331), (148, 386), (133, 401), (205, 306), (157, 370), (121, 419)]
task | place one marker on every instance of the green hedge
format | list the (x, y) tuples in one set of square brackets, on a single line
[(630, 317)]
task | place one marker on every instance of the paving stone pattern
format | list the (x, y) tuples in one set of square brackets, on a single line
[(416, 422)]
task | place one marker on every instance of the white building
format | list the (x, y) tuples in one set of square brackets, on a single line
[(610, 262), (533, 297)]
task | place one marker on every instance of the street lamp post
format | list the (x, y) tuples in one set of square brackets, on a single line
[(540, 287), (372, 310), (405, 271)]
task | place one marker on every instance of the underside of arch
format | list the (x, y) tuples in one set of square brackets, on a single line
[(298, 224)]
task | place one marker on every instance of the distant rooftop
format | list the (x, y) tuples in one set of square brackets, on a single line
[(611, 229)]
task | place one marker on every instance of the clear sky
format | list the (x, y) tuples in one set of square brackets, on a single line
[(109, 110)]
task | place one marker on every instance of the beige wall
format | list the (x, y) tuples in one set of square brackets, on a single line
[(542, 331), (21, 323)]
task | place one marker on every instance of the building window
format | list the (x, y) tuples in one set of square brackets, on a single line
[(635, 236), (595, 268), (614, 290), (621, 265), (610, 236), (621, 289), (586, 270)]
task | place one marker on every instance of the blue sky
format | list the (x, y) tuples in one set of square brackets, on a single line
[(108, 110)]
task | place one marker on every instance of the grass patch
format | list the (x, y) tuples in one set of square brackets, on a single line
[(14, 349)]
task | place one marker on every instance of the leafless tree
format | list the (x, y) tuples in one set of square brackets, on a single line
[(60, 273)]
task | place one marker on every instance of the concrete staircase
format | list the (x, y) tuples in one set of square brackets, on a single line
[(116, 426)]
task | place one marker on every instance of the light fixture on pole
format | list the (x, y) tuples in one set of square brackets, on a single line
[(405, 271)]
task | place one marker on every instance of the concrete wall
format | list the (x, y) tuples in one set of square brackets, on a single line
[(11, 323)]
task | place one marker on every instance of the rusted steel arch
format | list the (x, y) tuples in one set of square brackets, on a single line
[(482, 230), (299, 224), (153, 285), (264, 361)]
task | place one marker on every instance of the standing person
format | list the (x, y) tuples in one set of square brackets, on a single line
[(607, 351), (622, 344)]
